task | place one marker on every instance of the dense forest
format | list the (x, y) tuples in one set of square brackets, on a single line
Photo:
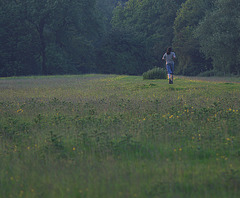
[(115, 36)]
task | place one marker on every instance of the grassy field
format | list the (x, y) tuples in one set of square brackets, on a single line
[(109, 136)]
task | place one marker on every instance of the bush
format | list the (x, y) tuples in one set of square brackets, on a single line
[(207, 73), (155, 73)]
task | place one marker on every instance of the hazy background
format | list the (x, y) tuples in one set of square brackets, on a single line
[(118, 37)]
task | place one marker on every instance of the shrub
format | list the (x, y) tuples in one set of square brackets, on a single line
[(155, 73), (207, 73)]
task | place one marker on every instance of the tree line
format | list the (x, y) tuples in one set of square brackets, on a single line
[(116, 36)]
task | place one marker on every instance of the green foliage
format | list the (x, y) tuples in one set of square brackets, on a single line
[(190, 60), (47, 37), (152, 20), (17, 46), (155, 73), (118, 36), (122, 52), (105, 9), (219, 36), (207, 73)]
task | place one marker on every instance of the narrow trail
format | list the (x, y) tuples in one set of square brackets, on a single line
[(212, 79)]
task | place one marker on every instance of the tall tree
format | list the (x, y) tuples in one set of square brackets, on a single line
[(105, 9), (76, 31), (122, 52), (191, 60), (153, 19), (17, 46), (38, 15), (47, 37), (219, 36)]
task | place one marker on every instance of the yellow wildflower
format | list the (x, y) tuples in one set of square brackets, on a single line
[(19, 111)]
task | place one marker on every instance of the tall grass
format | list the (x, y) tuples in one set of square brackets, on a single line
[(118, 136)]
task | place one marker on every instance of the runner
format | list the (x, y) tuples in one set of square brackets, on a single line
[(169, 57)]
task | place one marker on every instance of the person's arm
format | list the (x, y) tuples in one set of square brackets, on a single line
[(164, 57), (174, 56)]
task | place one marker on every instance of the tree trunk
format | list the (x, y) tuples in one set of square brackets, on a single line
[(42, 47)]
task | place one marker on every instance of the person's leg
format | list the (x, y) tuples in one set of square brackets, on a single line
[(171, 77), (172, 70), (168, 71)]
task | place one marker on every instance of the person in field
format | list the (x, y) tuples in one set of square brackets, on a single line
[(169, 57)]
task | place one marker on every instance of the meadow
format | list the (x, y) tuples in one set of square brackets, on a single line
[(110, 136)]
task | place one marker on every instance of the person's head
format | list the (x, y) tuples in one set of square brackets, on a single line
[(169, 50)]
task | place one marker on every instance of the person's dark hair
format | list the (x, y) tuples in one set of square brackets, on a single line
[(169, 50)]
